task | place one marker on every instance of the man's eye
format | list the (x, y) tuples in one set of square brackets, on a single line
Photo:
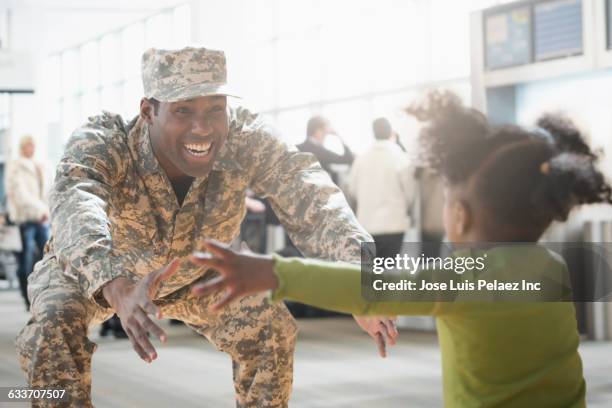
[(183, 110)]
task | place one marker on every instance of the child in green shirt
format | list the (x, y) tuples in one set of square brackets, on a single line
[(502, 184)]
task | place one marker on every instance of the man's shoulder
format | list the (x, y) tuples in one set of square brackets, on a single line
[(250, 130), (243, 120), (105, 129)]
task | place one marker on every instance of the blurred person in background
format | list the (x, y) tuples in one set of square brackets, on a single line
[(431, 188), (317, 130), (383, 188), (396, 138), (27, 208)]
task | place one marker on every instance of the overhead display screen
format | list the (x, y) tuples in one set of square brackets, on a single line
[(508, 38), (557, 29)]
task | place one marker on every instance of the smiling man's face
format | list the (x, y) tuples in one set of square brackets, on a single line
[(186, 136)]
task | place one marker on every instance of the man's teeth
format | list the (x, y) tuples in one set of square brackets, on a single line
[(199, 149)]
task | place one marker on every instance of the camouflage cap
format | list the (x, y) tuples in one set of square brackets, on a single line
[(175, 75)]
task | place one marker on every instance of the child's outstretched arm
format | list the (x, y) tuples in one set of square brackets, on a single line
[(333, 286)]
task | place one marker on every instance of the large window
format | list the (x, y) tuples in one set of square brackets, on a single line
[(104, 73), (351, 61)]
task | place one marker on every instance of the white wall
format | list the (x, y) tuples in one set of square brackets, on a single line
[(585, 98)]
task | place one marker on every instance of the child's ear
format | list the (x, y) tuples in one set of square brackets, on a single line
[(463, 218)]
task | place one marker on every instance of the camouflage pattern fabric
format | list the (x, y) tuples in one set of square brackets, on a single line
[(114, 213), (174, 75)]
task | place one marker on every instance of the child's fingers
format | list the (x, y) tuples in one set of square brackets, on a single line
[(203, 259), (217, 249), (244, 247), (167, 272), (212, 286), (155, 278)]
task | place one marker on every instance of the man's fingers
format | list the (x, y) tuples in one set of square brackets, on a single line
[(149, 326), (209, 287), (144, 342), (150, 308), (380, 343), (136, 346), (391, 328), (384, 330), (140, 337)]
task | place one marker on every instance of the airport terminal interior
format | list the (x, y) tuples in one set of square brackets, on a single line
[(339, 76)]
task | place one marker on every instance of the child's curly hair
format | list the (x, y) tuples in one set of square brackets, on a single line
[(524, 178)]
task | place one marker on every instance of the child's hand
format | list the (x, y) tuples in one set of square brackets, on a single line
[(241, 274)]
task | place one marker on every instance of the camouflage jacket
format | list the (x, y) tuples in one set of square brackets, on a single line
[(114, 212)]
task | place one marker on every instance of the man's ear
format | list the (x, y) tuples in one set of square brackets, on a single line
[(463, 217), (146, 110)]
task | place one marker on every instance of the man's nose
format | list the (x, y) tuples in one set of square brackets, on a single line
[(201, 126)]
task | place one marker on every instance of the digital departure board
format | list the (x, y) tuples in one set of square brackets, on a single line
[(557, 29), (508, 38)]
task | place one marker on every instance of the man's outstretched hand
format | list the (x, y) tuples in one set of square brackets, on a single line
[(382, 329), (133, 303)]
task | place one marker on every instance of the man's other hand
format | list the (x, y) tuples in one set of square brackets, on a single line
[(133, 303), (382, 329)]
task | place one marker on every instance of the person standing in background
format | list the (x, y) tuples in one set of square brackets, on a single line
[(431, 188), (27, 208), (383, 188), (317, 130)]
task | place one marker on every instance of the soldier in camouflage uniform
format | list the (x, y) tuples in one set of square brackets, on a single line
[(132, 200)]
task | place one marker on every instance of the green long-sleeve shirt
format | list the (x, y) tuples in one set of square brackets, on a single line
[(494, 354)]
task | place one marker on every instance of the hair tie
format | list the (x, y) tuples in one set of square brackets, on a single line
[(543, 134), (545, 168)]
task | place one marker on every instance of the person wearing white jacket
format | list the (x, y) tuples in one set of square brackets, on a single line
[(382, 184), (27, 207)]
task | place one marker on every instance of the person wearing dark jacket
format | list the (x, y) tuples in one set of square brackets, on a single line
[(317, 130)]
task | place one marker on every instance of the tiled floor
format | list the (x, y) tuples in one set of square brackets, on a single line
[(336, 366)]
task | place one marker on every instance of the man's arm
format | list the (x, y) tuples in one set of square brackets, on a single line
[(79, 201), (309, 205)]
